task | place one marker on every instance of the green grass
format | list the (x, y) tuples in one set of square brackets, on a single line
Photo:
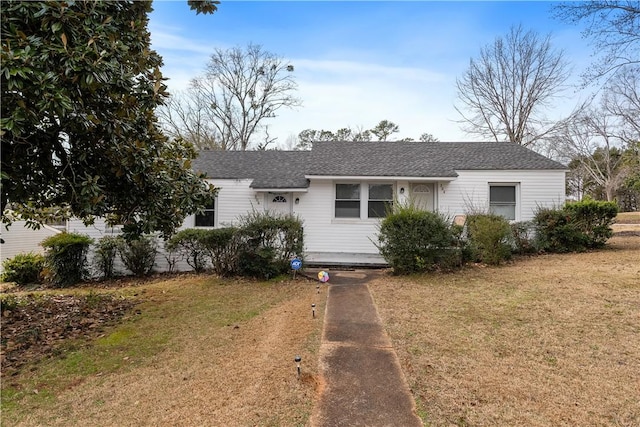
[(168, 312)]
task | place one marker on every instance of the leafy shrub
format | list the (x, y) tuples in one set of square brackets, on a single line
[(23, 269), (578, 226), (171, 256), (190, 244), (9, 302), (488, 236), (522, 234), (66, 257), (267, 242), (413, 240), (557, 232), (222, 246), (139, 255), (593, 218), (105, 255), (258, 262)]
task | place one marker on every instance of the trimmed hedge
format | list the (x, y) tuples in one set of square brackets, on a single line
[(139, 255), (23, 269), (66, 257), (577, 227), (413, 240), (261, 246)]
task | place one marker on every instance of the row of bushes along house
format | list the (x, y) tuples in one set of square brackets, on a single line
[(411, 240)]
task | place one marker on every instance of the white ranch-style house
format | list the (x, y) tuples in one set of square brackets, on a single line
[(340, 189)]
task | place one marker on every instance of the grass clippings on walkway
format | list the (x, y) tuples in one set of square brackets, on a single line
[(201, 351), (547, 341)]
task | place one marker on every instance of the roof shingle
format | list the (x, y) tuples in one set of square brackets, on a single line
[(287, 169)]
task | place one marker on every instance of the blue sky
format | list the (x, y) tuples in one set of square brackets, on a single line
[(357, 63)]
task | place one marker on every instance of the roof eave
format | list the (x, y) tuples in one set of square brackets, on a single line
[(382, 178), (281, 190)]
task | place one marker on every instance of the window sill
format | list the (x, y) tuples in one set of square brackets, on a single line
[(363, 221)]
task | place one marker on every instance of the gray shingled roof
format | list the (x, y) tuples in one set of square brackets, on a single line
[(287, 169), (268, 169), (421, 159)]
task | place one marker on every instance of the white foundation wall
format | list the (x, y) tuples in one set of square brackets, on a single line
[(470, 191)]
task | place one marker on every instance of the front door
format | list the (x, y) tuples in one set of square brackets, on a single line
[(422, 196), (279, 203)]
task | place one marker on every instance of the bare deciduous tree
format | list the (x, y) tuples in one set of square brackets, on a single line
[(505, 90), (228, 105), (621, 99), (589, 137), (613, 27), (185, 115)]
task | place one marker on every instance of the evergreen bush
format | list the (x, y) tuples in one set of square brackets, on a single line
[(578, 226), (105, 254), (267, 242), (594, 219), (556, 231), (139, 255), (222, 246), (190, 244), (66, 257), (23, 269), (413, 240)]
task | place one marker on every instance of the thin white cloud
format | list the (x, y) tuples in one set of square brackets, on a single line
[(168, 38), (411, 84), (338, 94)]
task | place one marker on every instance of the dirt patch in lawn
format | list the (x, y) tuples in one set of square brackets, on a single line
[(548, 340), (36, 326)]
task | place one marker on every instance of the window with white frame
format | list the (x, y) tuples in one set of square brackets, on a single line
[(502, 200), (380, 200), (347, 204), (208, 217)]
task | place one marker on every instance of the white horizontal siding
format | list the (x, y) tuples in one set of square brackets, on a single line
[(326, 234), (470, 191), (235, 198), (20, 239)]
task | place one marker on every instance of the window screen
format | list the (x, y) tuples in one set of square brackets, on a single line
[(347, 201), (502, 201), (380, 199)]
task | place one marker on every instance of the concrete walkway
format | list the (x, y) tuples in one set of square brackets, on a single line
[(364, 385)]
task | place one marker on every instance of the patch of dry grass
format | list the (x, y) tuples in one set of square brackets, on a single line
[(628, 218), (546, 341), (221, 354)]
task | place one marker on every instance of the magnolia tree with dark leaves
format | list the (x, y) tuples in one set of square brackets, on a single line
[(79, 134)]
